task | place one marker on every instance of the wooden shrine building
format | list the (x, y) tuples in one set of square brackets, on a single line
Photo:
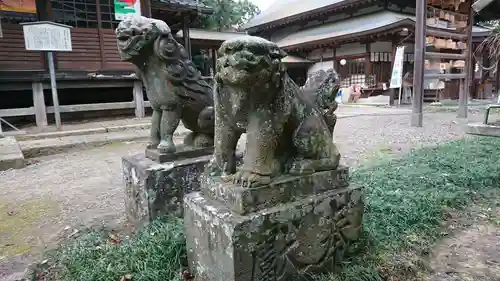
[(93, 63), (356, 37)]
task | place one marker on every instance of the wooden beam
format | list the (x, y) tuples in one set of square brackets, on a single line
[(100, 34), (92, 107), (451, 76), (464, 94), (39, 105), (445, 56), (418, 67), (446, 34), (138, 99), (11, 112)]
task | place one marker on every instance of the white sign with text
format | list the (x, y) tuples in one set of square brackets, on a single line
[(397, 69), (47, 36)]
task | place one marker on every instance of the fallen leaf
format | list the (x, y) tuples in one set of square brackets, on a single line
[(186, 275), (114, 238), (75, 231), (126, 277)]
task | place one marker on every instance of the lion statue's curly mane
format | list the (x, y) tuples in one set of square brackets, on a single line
[(173, 85)]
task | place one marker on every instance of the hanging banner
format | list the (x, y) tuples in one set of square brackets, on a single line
[(20, 6), (127, 8), (397, 69)]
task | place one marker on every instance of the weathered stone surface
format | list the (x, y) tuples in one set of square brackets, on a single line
[(174, 87), (183, 152), (154, 189), (288, 210), (483, 129), (321, 88), (286, 132), (11, 156), (283, 242), (282, 190)]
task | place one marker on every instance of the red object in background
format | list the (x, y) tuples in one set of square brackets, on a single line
[(130, 2)]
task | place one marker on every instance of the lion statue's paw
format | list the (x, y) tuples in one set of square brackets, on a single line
[(301, 167), (166, 147), (250, 179)]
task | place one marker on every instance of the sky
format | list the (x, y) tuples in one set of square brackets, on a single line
[(263, 4)]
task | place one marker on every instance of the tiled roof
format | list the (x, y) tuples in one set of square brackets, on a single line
[(281, 9), (285, 8), (357, 25), (188, 4), (294, 59), (346, 27)]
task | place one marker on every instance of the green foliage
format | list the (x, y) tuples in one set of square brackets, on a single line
[(228, 14), (407, 200)]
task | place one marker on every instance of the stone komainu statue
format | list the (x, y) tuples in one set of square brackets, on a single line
[(174, 86), (322, 88), (286, 132)]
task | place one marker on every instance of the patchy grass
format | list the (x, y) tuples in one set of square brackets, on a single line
[(155, 253), (408, 199), (407, 202)]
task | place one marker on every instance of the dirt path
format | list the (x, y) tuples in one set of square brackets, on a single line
[(471, 254), (44, 202)]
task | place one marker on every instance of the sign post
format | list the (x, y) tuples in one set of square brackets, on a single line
[(50, 37), (397, 71)]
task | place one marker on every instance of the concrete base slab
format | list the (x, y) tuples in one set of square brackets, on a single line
[(483, 129), (11, 156)]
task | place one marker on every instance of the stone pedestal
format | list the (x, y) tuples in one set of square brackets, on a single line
[(11, 156), (155, 183), (291, 228)]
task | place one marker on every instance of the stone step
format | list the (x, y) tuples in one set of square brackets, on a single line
[(48, 146), (87, 131), (11, 156), (61, 142)]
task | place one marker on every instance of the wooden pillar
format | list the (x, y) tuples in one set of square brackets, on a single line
[(335, 61), (100, 34), (146, 8), (418, 66), (214, 61), (463, 97), (185, 33), (368, 65), (497, 80), (43, 8), (39, 104), (139, 100)]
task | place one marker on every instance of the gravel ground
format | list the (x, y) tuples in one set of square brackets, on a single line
[(85, 187)]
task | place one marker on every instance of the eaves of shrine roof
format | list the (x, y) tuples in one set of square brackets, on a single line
[(195, 5), (356, 27), (291, 9)]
